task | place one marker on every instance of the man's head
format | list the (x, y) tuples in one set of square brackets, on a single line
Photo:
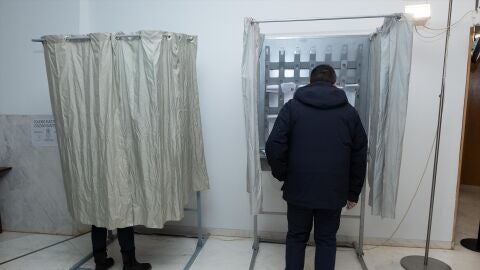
[(324, 73)]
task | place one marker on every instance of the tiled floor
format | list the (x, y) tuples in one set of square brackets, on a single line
[(468, 215), (14, 244), (220, 253), (223, 253)]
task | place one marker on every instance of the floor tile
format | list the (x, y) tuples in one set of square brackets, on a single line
[(222, 253), (13, 245), (468, 215)]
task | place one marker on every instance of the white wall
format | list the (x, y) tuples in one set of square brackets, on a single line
[(23, 87), (219, 25)]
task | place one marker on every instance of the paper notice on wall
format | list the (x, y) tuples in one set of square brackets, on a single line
[(43, 131)]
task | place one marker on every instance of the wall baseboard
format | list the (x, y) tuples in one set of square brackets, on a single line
[(189, 231)]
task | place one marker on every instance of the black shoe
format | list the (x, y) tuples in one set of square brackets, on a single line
[(130, 262), (101, 261)]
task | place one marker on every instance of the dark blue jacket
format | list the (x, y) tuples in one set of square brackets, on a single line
[(318, 146)]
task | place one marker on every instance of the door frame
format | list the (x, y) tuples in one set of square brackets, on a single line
[(465, 109)]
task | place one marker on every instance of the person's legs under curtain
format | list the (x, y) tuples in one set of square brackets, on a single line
[(327, 223), (300, 222), (126, 239), (99, 245), (99, 239)]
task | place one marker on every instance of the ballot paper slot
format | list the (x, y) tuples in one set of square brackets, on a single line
[(271, 121), (289, 73), (286, 64), (305, 73), (274, 73), (273, 99), (272, 88), (351, 95), (287, 97)]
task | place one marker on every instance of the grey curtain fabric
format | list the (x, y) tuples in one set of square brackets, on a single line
[(252, 48), (128, 125), (390, 61)]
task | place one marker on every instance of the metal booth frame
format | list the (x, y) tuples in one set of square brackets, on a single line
[(202, 237), (358, 245)]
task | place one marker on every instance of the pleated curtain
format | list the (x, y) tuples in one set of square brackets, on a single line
[(390, 63), (252, 48), (128, 124)]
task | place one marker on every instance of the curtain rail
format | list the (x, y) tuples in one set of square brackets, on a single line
[(118, 37), (395, 15)]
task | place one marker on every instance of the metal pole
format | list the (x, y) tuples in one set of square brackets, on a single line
[(199, 217), (439, 130), (476, 5), (412, 262), (256, 242), (255, 230), (362, 222), (397, 15), (202, 238), (117, 37)]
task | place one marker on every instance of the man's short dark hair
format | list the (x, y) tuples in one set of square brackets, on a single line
[(324, 73)]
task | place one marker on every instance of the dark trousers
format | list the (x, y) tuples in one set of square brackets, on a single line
[(300, 221), (125, 239)]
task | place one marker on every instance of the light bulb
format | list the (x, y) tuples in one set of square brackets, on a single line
[(420, 13)]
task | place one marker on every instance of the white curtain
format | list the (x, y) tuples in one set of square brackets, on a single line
[(390, 61), (252, 47), (128, 126)]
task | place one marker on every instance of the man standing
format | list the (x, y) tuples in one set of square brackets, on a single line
[(318, 148)]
